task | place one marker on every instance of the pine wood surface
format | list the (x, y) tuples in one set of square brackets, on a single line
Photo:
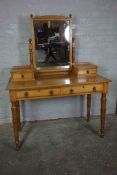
[(57, 82)]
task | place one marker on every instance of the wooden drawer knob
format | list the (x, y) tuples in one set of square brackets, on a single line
[(94, 89), (51, 92), (71, 91), (87, 71), (26, 94), (22, 76)]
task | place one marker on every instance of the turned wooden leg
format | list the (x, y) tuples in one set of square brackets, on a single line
[(18, 115), (15, 124), (88, 106), (102, 116)]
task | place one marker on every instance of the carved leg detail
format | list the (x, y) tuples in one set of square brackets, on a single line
[(88, 106), (102, 116), (15, 124), (18, 115)]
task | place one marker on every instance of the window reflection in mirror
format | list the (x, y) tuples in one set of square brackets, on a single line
[(52, 43)]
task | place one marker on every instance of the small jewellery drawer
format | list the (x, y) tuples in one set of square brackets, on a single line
[(82, 89), (38, 93), (87, 71), (20, 76)]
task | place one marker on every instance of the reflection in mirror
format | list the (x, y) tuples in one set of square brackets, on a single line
[(51, 43)]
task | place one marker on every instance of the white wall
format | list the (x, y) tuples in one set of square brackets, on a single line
[(95, 24)]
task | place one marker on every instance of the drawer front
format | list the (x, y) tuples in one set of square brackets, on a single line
[(50, 92), (23, 76), (38, 93), (91, 88), (70, 90), (82, 89), (87, 71), (27, 94)]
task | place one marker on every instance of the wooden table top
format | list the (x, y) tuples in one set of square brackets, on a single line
[(56, 82)]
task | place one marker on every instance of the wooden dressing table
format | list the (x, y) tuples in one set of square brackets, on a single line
[(65, 78)]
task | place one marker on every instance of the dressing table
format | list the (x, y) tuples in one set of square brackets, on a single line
[(52, 71)]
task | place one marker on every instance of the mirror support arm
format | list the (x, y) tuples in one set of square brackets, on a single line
[(73, 50), (31, 52)]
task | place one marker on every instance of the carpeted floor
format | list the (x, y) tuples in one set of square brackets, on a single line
[(60, 147)]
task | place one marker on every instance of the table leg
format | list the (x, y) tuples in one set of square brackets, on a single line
[(88, 106), (102, 116), (18, 115), (15, 124)]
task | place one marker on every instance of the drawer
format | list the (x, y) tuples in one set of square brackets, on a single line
[(86, 68), (70, 90), (50, 92), (82, 89), (91, 88), (27, 94), (23, 76), (87, 71), (38, 93)]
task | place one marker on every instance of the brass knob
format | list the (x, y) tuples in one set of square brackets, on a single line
[(51, 92), (94, 89), (71, 91), (22, 75), (26, 94)]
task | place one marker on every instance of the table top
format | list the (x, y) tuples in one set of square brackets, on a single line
[(60, 81)]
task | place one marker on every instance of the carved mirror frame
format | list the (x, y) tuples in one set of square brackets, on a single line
[(52, 18)]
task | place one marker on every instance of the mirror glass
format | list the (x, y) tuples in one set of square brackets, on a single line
[(51, 42)]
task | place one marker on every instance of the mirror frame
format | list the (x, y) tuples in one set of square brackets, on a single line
[(50, 18)]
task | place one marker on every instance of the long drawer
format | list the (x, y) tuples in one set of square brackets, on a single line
[(82, 89), (38, 93)]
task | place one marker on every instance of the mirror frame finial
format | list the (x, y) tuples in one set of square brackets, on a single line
[(70, 15)]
